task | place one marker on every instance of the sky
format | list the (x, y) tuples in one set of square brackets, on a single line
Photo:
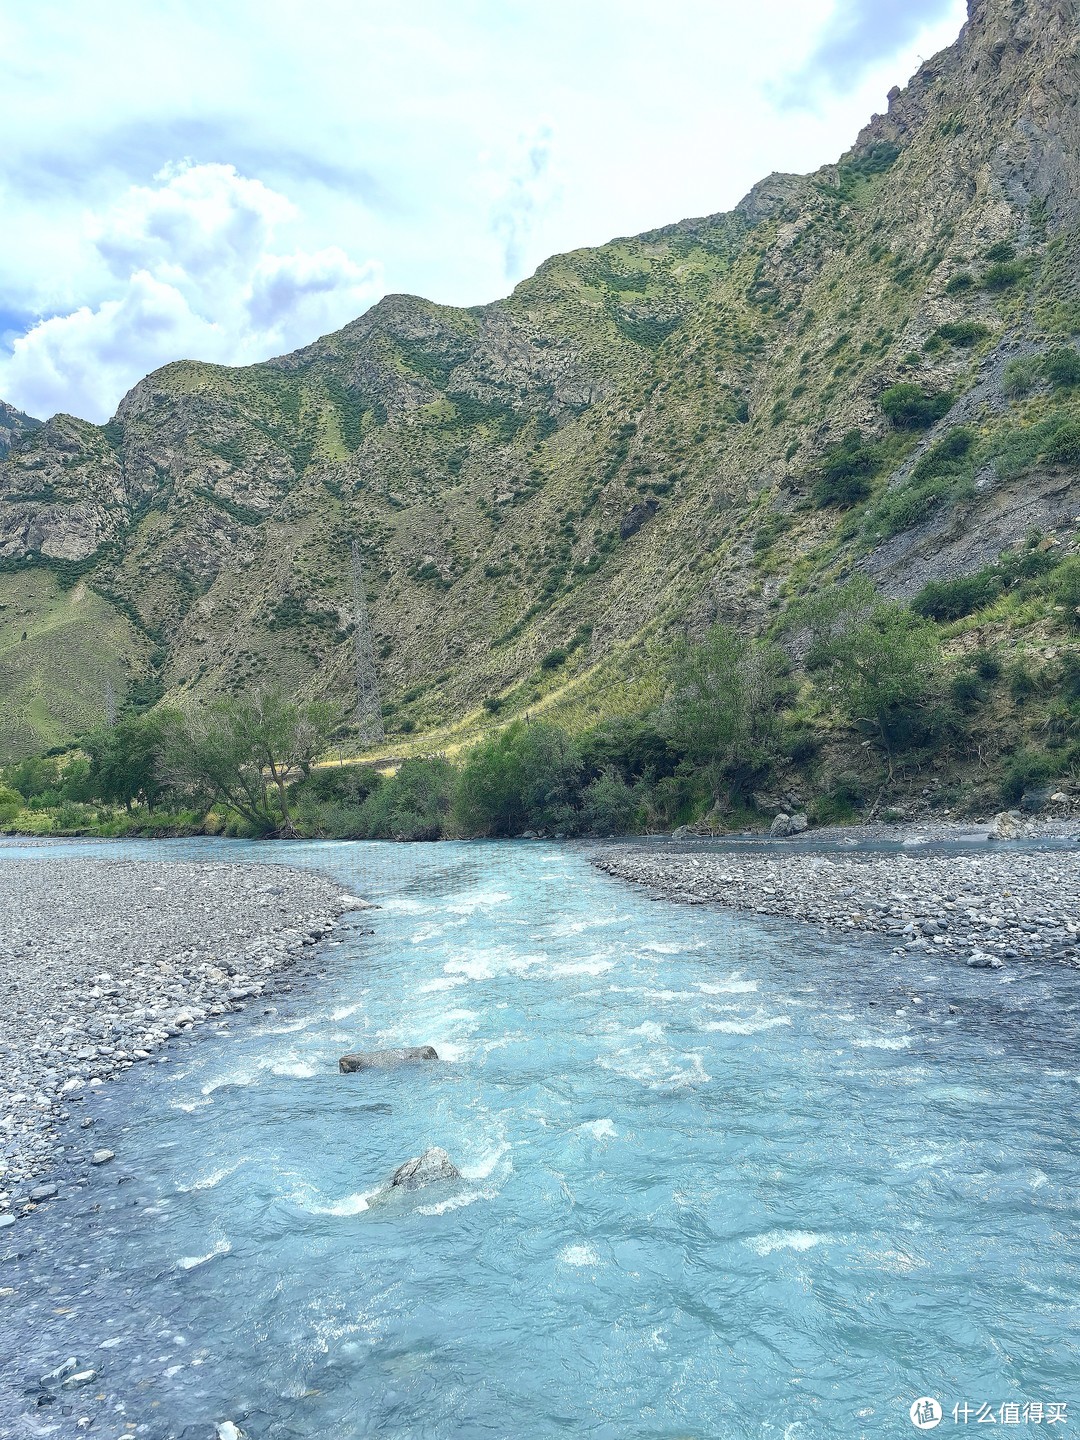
[(226, 180)]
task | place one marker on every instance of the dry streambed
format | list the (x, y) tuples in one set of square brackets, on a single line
[(984, 910), (102, 961)]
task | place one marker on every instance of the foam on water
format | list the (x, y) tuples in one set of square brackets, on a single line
[(192, 1262), (731, 986), (784, 1240), (579, 1256), (747, 1027), (600, 1129), (213, 1178)]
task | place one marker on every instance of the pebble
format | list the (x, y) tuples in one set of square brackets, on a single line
[(102, 961), (102, 1157), (982, 909)]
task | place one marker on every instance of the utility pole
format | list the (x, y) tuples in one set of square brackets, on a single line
[(368, 705)]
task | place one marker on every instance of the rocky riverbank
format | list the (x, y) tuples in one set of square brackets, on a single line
[(985, 910), (102, 961)]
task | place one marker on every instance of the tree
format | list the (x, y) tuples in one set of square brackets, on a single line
[(881, 660), (723, 709), (128, 759), (244, 752), (413, 805), (528, 775)]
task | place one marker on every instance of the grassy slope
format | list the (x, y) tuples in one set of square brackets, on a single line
[(53, 682)]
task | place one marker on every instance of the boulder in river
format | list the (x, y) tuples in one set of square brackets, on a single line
[(385, 1059), (429, 1168)]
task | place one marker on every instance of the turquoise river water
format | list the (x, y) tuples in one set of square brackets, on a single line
[(723, 1178)]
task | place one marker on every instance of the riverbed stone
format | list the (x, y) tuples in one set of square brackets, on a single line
[(430, 1168), (385, 1059)]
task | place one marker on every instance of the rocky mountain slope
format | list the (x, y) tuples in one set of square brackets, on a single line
[(13, 425), (688, 424)]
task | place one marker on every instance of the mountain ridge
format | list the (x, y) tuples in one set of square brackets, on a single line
[(625, 447)]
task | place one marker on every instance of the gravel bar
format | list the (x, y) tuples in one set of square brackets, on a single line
[(983, 910), (102, 961)]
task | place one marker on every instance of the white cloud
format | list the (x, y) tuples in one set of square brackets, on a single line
[(374, 129), (194, 274), (524, 190)]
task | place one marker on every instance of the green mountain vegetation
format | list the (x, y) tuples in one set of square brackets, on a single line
[(861, 383)]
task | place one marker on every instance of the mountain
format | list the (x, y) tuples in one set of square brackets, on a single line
[(13, 424), (688, 424)]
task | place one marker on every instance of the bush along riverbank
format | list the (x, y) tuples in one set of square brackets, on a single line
[(853, 707)]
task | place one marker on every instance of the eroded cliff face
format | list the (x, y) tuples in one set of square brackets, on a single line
[(627, 444)]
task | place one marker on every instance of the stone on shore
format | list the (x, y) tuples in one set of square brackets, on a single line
[(430, 1168), (385, 1059), (785, 825), (186, 943), (981, 908)]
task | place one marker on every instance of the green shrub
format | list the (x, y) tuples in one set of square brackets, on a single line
[(964, 334), (1069, 677), (609, 805), (1002, 252), (945, 600), (1021, 375), (986, 665), (846, 471), (414, 804), (1062, 367), (1022, 683), (961, 281), (967, 691), (527, 777), (948, 457), (910, 408), (842, 801), (1004, 275), (1066, 587), (1053, 441), (553, 659), (1064, 448), (1026, 769)]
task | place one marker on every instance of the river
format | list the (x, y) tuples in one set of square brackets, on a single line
[(722, 1178)]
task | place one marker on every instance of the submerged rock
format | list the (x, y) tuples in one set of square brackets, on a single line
[(385, 1059), (429, 1168)]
